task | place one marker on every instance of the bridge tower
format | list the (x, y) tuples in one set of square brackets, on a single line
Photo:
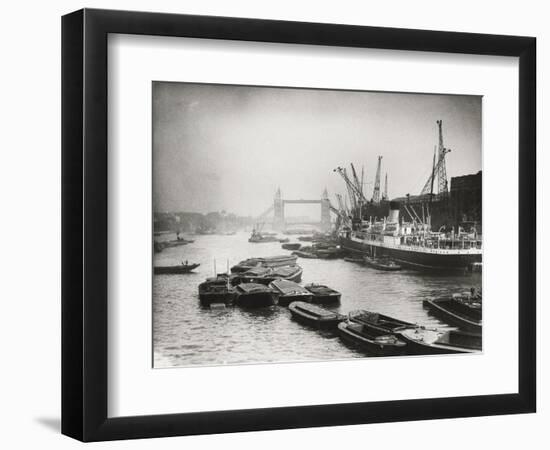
[(325, 212), (278, 212)]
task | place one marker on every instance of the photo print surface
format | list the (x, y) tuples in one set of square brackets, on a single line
[(305, 224)]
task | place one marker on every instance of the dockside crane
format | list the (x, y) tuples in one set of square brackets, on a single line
[(376, 192), (440, 169), (355, 194), (342, 211)]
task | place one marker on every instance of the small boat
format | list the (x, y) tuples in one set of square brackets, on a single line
[(370, 341), (175, 270), (382, 264), (267, 261), (284, 240), (291, 246), (289, 292), (422, 341), (305, 238), (379, 323), (323, 294), (255, 295), (314, 315), (456, 312), (217, 290), (354, 259), (258, 238)]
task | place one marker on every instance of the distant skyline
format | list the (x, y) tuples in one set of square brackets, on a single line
[(223, 147)]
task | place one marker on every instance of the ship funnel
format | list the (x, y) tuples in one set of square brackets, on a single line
[(393, 216)]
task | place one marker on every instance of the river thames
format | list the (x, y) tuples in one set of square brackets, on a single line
[(186, 334)]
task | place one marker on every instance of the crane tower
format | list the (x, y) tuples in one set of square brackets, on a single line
[(439, 170)]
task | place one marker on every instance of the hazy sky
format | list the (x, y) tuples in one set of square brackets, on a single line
[(221, 147)]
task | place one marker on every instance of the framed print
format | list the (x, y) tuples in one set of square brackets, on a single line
[(273, 224)]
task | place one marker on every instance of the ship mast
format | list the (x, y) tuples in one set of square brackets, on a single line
[(376, 192)]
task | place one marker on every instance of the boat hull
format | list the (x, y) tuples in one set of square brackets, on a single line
[(441, 310), (219, 295), (323, 295), (352, 336), (285, 300), (266, 279), (418, 347), (380, 323), (174, 270), (243, 266), (256, 299), (312, 320), (419, 260), (291, 246)]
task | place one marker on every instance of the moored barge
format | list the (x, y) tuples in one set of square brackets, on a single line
[(255, 295), (323, 294), (314, 315), (457, 313), (267, 261), (422, 341), (290, 291), (217, 290), (371, 341)]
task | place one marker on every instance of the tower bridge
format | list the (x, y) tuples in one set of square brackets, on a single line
[(278, 210)]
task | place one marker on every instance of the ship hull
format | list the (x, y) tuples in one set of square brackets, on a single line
[(418, 260)]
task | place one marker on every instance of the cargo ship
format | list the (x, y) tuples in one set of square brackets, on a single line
[(412, 244)]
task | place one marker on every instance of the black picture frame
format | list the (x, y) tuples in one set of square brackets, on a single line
[(84, 224)]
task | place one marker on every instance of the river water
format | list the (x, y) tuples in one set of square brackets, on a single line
[(186, 334)]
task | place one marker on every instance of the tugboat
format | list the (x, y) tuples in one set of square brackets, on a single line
[(323, 294), (255, 295), (177, 242), (371, 341), (314, 315), (258, 237), (290, 292), (422, 341), (217, 290), (175, 270)]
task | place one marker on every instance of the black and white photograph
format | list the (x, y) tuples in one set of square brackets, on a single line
[(299, 224)]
